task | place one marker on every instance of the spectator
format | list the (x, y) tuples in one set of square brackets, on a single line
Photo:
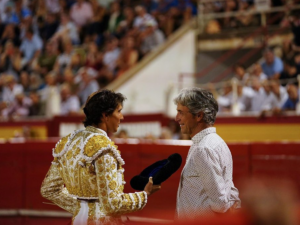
[(18, 13), (244, 97), (111, 55), (225, 99), (48, 29), (258, 95), (50, 95), (52, 6), (94, 57), (81, 13), (64, 59), (76, 63), (272, 66), (19, 107), (70, 104), (289, 72), (115, 17), (36, 108), (151, 38), (142, 18), (70, 81), (25, 82), (279, 92), (67, 30), (240, 73), (10, 60), (128, 56), (87, 86), (11, 33), (46, 60), (293, 99), (11, 89), (31, 46), (257, 72)]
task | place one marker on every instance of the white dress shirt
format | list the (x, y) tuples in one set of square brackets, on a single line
[(206, 184)]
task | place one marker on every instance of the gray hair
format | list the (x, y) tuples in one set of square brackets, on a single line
[(199, 100)]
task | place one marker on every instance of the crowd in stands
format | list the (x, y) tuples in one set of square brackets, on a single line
[(240, 19), (54, 53), (270, 86)]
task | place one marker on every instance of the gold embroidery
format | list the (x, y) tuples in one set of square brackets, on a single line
[(94, 144), (112, 185), (61, 145), (112, 194)]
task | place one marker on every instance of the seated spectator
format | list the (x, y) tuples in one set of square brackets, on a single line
[(11, 33), (244, 97), (225, 99), (64, 59), (46, 60), (53, 6), (81, 13), (258, 95), (111, 55), (11, 89), (25, 82), (87, 85), (36, 82), (48, 29), (50, 95), (142, 18), (69, 79), (67, 30), (128, 57), (10, 60), (293, 99), (272, 65), (31, 46), (37, 108), (279, 92), (41, 10), (76, 62), (94, 57), (18, 13), (290, 72), (70, 104), (240, 73), (19, 107), (151, 38), (257, 72), (115, 17), (122, 134)]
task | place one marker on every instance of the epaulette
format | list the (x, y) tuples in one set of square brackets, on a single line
[(96, 144), (61, 146)]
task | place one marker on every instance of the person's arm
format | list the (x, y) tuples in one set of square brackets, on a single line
[(110, 188), (53, 190), (213, 182)]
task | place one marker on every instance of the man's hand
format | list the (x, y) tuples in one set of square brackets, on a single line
[(150, 188)]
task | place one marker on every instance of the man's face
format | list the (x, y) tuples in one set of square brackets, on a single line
[(114, 119), (269, 57), (187, 121)]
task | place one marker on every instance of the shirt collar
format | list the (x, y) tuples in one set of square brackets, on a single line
[(199, 136)]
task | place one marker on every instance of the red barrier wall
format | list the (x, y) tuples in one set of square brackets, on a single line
[(23, 167)]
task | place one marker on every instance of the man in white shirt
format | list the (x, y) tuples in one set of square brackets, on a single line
[(70, 104), (206, 185)]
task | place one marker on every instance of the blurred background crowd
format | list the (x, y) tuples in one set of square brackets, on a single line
[(54, 53)]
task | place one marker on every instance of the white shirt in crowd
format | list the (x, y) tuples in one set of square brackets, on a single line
[(272, 101), (8, 95), (141, 22), (110, 58), (72, 104), (206, 184)]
